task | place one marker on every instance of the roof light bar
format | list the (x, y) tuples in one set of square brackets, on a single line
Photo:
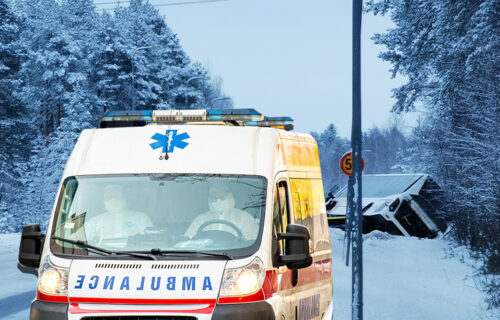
[(249, 117)]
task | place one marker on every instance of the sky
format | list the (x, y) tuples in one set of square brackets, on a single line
[(288, 58)]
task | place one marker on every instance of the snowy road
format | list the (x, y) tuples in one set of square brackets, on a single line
[(17, 289), (404, 278)]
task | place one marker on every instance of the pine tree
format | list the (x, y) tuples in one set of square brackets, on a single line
[(331, 147), (13, 136), (383, 150), (111, 68), (58, 90), (162, 75)]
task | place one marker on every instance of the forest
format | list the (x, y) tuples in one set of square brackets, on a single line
[(63, 64)]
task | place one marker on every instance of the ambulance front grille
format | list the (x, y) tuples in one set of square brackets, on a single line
[(140, 318), (118, 265), (176, 266)]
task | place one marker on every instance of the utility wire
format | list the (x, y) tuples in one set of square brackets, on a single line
[(164, 4)]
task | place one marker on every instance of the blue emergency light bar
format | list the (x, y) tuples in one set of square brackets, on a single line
[(127, 115), (239, 117), (234, 115), (285, 123)]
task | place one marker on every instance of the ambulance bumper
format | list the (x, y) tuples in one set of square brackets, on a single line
[(41, 310), (244, 311)]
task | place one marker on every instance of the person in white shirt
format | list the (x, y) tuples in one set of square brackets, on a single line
[(221, 204), (117, 221)]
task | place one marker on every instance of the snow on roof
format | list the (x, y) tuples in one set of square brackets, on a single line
[(383, 185)]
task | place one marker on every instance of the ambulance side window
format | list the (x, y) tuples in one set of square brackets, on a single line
[(281, 211)]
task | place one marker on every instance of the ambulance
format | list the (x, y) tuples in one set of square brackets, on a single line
[(185, 215)]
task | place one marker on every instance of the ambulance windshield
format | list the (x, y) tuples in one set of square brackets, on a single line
[(160, 212)]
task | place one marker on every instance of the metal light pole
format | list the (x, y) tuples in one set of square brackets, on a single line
[(357, 214), (133, 71)]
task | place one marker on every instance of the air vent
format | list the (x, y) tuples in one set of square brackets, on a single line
[(176, 266), (118, 266), (193, 118), (179, 115)]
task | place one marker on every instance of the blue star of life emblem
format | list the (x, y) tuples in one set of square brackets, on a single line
[(169, 141)]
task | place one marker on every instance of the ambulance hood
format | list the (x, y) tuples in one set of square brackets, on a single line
[(108, 281), (190, 149)]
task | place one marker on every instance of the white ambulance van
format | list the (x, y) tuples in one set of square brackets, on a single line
[(185, 215)]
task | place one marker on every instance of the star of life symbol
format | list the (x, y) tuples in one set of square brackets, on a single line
[(169, 141)]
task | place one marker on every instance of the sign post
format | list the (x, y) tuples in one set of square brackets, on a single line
[(346, 165)]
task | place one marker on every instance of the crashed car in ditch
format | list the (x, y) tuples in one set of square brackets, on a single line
[(399, 204)]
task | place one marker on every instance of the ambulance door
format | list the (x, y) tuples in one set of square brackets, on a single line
[(286, 277)]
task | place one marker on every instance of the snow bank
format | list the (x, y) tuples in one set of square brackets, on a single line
[(409, 278)]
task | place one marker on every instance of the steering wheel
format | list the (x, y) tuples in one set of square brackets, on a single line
[(220, 221)]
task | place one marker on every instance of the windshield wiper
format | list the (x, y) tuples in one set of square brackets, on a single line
[(102, 251), (159, 252)]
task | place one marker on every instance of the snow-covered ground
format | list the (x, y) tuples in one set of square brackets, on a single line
[(17, 289), (404, 279), (409, 278)]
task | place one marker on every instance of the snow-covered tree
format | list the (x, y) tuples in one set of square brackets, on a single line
[(62, 65), (162, 75), (13, 129), (383, 149), (111, 67), (331, 148), (449, 52), (57, 92)]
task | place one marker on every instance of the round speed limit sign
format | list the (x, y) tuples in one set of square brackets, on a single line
[(347, 164)]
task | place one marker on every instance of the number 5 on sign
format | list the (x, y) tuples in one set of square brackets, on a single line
[(347, 164)]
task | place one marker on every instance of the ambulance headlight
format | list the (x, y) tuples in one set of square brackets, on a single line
[(243, 281), (52, 280)]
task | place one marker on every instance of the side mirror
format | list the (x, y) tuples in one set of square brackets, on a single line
[(297, 255), (30, 247)]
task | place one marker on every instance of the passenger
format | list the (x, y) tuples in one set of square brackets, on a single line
[(117, 221), (221, 204)]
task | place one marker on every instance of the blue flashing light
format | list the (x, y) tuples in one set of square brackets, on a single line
[(234, 115), (123, 118), (121, 113), (279, 119), (125, 115), (253, 123), (285, 123)]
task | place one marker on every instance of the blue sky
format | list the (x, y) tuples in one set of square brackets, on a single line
[(288, 57)]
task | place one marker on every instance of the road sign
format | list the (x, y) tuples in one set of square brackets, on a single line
[(347, 164)]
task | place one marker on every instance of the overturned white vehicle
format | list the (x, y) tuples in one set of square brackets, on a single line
[(399, 204)]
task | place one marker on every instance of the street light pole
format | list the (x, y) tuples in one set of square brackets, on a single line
[(356, 143), (217, 99), (187, 83)]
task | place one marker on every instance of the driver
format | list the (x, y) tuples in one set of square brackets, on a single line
[(221, 204), (117, 221)]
